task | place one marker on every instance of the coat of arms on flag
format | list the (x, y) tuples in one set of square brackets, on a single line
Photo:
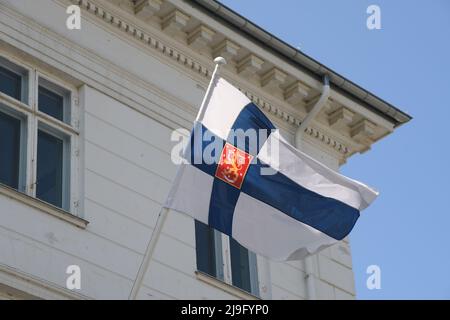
[(233, 165)]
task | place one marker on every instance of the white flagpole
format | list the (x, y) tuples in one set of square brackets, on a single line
[(219, 61)]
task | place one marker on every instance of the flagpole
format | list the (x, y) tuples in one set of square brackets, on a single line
[(219, 61)]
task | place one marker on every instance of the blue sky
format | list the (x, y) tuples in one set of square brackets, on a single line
[(407, 230)]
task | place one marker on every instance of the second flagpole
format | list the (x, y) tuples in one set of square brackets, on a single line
[(219, 61)]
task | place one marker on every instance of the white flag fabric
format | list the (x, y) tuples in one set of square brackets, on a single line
[(243, 179)]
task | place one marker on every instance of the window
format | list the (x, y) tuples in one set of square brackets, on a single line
[(10, 83), (49, 182), (13, 80), (243, 267), (206, 250), (225, 259), (54, 101), (9, 150), (38, 135), (51, 103)]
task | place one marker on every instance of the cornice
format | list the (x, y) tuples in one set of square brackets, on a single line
[(204, 71), (142, 36), (293, 96)]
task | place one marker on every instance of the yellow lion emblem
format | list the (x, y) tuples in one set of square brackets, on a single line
[(234, 164)]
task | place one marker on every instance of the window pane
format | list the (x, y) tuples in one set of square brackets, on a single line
[(9, 150), (205, 247), (50, 169), (51, 103), (10, 83), (240, 266)]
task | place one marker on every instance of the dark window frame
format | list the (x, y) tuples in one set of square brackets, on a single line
[(32, 122), (55, 91), (65, 166), (4, 73), (12, 181), (251, 285), (22, 143), (14, 70)]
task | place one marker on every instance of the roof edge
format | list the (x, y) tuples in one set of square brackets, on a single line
[(305, 62)]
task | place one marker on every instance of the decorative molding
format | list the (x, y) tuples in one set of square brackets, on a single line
[(201, 36), (273, 79), (296, 93), (143, 37), (227, 49), (363, 131), (174, 22), (340, 118), (247, 66), (146, 9), (331, 142)]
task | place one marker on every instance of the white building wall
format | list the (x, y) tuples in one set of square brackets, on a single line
[(132, 101)]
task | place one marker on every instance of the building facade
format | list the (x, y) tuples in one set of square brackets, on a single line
[(86, 120)]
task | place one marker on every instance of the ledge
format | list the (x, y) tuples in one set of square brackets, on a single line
[(43, 206), (235, 291), (31, 287)]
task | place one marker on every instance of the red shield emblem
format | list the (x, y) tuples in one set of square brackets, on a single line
[(233, 165)]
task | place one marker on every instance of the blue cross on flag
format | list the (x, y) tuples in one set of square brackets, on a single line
[(242, 178)]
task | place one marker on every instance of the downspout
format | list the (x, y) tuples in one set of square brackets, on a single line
[(308, 261), (314, 112)]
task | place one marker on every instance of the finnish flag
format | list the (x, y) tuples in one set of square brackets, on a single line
[(242, 178)]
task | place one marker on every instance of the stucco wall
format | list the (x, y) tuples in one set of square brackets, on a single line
[(132, 100)]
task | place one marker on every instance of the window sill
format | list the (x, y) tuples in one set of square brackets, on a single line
[(43, 206), (235, 291)]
